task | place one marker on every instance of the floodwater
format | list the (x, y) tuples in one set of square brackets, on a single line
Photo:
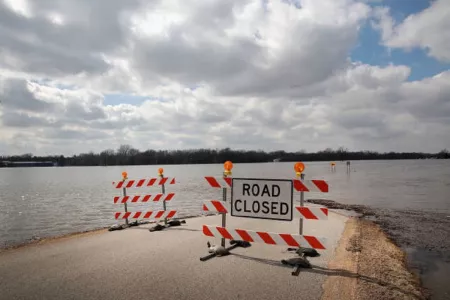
[(44, 202)]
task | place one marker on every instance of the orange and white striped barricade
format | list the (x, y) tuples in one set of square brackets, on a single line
[(155, 215), (224, 183), (270, 199), (306, 213), (166, 197), (302, 185)]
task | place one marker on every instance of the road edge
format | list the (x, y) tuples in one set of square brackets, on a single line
[(367, 265)]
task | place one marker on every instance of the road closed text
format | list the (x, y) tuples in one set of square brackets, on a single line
[(266, 207), (262, 199)]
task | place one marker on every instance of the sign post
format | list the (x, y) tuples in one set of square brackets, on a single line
[(124, 190), (299, 168), (227, 166), (163, 191), (270, 199)]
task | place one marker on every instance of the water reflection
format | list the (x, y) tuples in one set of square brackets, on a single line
[(52, 201)]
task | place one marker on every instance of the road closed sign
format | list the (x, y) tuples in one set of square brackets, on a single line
[(262, 198)]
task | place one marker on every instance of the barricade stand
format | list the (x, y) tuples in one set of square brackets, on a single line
[(221, 207), (158, 227), (163, 191), (312, 213), (125, 184), (282, 193)]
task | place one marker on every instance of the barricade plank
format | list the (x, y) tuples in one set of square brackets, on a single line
[(216, 206), (159, 214), (219, 182), (270, 238), (144, 198), (143, 182), (312, 213), (314, 185)]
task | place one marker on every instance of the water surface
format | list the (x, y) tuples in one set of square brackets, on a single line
[(52, 201), (412, 196)]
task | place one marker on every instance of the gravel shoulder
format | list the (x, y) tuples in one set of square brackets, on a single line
[(423, 235), (370, 266)]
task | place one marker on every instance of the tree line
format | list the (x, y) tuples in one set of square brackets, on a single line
[(127, 155)]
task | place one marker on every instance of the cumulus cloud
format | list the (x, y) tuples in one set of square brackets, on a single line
[(243, 74), (75, 43), (249, 48), (428, 29)]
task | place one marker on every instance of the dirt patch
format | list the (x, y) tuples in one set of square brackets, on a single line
[(345, 264), (384, 267), (424, 235), (369, 266), (361, 209), (37, 240)]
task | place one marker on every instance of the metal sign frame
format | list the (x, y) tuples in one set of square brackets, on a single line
[(264, 179)]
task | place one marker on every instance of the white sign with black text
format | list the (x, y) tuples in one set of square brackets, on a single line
[(262, 198)]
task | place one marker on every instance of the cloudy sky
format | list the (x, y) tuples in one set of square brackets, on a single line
[(79, 76)]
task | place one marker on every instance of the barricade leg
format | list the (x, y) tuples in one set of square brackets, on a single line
[(125, 204), (297, 263), (301, 250), (234, 244), (296, 270)]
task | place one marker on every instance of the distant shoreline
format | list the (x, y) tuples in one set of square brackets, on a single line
[(127, 155), (55, 165)]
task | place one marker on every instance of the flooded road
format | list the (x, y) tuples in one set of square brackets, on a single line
[(410, 200), (424, 236)]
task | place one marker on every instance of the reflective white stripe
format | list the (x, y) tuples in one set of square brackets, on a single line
[(276, 237), (316, 211), (311, 186), (216, 180), (132, 215), (210, 206)]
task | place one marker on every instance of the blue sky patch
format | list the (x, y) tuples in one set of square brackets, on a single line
[(401, 9), (370, 51), (116, 99)]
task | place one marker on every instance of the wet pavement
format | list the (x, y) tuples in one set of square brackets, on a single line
[(137, 264)]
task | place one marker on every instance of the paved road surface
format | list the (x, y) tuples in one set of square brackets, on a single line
[(135, 264)]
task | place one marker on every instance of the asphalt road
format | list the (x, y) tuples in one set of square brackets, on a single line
[(138, 264)]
